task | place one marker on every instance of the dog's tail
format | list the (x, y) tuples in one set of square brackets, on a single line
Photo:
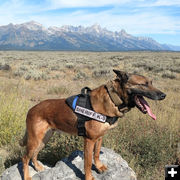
[(23, 141)]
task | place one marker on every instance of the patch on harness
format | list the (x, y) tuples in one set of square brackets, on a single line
[(90, 114)]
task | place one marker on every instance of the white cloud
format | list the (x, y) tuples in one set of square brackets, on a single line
[(16, 11), (159, 3), (167, 3), (138, 22), (85, 3), (144, 23)]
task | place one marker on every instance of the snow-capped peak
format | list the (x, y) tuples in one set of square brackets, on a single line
[(96, 27), (33, 25)]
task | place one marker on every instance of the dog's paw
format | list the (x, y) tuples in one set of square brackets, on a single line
[(39, 168), (28, 178), (90, 178), (102, 168)]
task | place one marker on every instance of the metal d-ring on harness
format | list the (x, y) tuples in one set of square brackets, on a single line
[(81, 105)]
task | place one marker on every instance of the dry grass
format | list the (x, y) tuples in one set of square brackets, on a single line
[(29, 77)]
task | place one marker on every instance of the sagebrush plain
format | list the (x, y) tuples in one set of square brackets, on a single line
[(28, 77)]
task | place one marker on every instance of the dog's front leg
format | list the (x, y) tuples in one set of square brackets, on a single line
[(97, 148), (88, 152)]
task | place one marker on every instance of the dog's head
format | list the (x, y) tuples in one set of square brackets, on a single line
[(132, 88)]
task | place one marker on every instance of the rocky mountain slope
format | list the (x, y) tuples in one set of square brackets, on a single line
[(33, 36)]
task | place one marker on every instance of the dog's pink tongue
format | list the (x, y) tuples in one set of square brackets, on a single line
[(144, 102)]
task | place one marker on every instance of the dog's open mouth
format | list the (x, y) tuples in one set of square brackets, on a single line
[(143, 106)]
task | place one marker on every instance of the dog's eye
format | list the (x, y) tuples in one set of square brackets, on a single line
[(146, 84)]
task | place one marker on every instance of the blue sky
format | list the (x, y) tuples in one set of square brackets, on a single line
[(159, 19)]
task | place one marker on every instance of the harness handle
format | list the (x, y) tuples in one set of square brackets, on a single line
[(85, 90)]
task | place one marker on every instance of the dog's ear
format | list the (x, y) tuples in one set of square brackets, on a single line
[(123, 76)]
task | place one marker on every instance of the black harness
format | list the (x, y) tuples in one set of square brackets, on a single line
[(81, 105)]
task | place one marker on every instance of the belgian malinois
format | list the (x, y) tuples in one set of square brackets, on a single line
[(115, 98)]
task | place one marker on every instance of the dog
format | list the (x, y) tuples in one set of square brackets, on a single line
[(113, 99)]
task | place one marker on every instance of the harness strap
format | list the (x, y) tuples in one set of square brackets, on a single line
[(85, 92), (81, 127), (111, 120), (113, 95), (74, 102)]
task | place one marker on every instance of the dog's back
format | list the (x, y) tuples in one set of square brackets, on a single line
[(52, 113)]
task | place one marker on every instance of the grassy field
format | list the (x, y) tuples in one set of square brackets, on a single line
[(27, 78)]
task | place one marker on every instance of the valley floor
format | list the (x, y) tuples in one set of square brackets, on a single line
[(28, 77)]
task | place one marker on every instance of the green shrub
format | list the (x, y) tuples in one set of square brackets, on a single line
[(13, 111), (58, 90), (175, 69), (5, 67), (54, 68), (101, 73), (19, 73), (69, 65), (169, 75), (35, 75), (80, 75), (24, 68)]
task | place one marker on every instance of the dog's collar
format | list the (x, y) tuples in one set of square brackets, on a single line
[(113, 95)]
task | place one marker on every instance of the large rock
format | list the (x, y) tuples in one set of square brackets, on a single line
[(72, 168)]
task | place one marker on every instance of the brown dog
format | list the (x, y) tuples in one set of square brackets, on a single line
[(113, 99)]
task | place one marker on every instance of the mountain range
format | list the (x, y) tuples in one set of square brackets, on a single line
[(34, 36)]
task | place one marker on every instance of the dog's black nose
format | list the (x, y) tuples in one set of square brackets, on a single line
[(162, 95)]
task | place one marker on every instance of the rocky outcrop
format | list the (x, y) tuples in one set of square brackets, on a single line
[(72, 168)]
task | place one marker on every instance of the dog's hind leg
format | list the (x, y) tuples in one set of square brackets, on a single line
[(36, 131), (97, 148), (23, 141), (45, 140), (32, 145)]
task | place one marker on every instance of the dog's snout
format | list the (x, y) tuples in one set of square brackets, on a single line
[(163, 96)]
